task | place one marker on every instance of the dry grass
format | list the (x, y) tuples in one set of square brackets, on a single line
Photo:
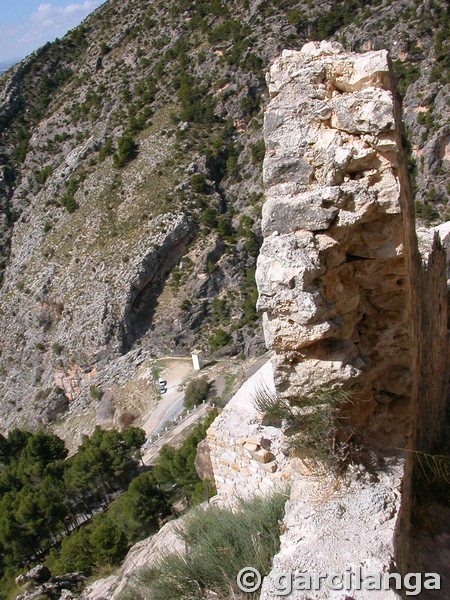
[(311, 422)]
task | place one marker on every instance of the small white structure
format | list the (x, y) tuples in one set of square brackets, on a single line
[(197, 360)]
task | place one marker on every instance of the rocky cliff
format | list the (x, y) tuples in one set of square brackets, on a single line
[(130, 188)]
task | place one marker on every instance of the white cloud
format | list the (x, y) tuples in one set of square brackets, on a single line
[(48, 22), (43, 15), (48, 15)]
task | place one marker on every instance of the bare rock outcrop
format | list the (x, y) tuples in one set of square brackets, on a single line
[(339, 262), (38, 574), (203, 464), (330, 529), (39, 584), (74, 324)]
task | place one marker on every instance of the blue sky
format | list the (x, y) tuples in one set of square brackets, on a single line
[(28, 24)]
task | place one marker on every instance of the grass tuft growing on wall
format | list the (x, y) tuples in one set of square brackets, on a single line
[(311, 423)]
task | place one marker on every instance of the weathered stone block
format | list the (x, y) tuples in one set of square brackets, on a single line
[(262, 456), (251, 447), (270, 467), (369, 111), (254, 439)]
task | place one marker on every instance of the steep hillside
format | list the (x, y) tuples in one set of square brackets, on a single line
[(131, 181)]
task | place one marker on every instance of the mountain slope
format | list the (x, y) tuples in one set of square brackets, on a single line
[(131, 188)]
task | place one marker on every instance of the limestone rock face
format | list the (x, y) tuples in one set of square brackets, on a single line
[(70, 329), (38, 585), (332, 269), (332, 531), (38, 574)]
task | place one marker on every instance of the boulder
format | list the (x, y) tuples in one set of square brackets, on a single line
[(203, 464), (38, 574)]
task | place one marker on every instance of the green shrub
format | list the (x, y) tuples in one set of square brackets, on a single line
[(253, 63), (196, 392), (109, 544), (219, 543), (211, 267), (140, 510), (426, 119), (104, 48), (258, 150), (197, 105), (175, 471), (297, 18), (97, 544), (250, 105), (106, 149), (411, 165), (426, 211), (245, 225), (441, 68), (42, 175), (225, 228), (186, 304), (75, 554), (23, 136), (222, 148), (202, 492), (209, 217), (231, 166), (406, 73), (69, 203), (339, 14), (199, 184), (249, 307), (57, 348), (432, 195), (231, 29), (220, 310), (127, 151), (219, 339), (68, 199), (252, 244), (95, 392)]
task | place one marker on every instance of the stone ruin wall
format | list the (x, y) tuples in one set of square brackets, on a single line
[(247, 458), (429, 366), (340, 279), (430, 348), (348, 300)]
